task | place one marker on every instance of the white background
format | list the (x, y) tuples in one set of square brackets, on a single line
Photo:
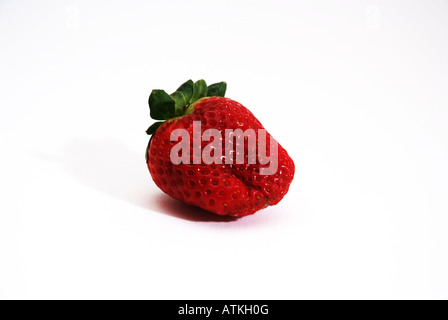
[(356, 91)]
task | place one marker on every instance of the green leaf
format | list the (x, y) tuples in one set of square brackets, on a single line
[(161, 105), (180, 101), (199, 90), (152, 129), (217, 89), (187, 90)]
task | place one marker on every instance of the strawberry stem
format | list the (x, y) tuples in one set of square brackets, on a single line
[(164, 106)]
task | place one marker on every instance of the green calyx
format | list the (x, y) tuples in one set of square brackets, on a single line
[(164, 106)]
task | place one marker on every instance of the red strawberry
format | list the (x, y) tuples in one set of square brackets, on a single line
[(230, 188)]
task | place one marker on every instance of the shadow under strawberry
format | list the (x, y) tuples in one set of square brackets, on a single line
[(110, 167), (178, 209)]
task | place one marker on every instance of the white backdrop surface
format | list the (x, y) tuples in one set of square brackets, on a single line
[(356, 91)]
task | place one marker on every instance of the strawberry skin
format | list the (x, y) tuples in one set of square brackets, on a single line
[(225, 189)]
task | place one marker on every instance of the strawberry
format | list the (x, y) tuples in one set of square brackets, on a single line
[(224, 185)]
